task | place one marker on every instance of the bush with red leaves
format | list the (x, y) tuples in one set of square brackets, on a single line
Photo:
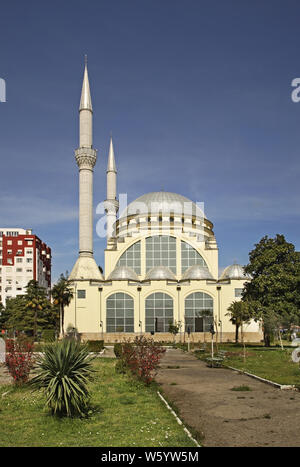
[(19, 359), (142, 357)]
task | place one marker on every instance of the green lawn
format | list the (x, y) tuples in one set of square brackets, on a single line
[(270, 363), (124, 413)]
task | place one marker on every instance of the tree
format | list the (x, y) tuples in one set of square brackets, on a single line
[(37, 304), (29, 313), (62, 295), (17, 318), (3, 318), (275, 286), (239, 313), (174, 329)]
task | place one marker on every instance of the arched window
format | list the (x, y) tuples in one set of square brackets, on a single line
[(190, 257), (161, 251), (119, 313), (159, 312), (199, 311), (132, 258)]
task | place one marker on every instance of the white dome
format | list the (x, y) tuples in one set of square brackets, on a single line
[(121, 273), (160, 273), (234, 271), (197, 272), (162, 202)]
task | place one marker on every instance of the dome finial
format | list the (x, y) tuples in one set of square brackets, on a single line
[(85, 59)]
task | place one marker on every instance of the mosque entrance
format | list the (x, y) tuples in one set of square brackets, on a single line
[(159, 324), (199, 324)]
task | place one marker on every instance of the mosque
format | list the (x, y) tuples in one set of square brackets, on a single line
[(161, 262)]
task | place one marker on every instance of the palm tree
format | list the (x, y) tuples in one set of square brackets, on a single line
[(239, 314), (62, 295)]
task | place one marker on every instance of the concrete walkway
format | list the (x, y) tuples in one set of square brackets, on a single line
[(264, 416), (5, 377)]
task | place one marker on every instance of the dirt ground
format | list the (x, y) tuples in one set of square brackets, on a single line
[(264, 416)]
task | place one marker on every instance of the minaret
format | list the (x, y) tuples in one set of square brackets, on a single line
[(86, 156), (111, 204)]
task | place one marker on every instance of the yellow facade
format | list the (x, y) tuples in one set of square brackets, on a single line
[(89, 315)]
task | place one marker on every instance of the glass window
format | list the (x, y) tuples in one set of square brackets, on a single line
[(81, 294), (159, 312), (198, 309), (190, 257), (119, 313), (238, 293), (132, 258), (161, 251)]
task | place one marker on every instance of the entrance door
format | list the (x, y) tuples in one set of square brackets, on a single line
[(198, 324), (159, 324)]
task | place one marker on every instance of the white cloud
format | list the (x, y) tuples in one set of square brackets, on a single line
[(32, 211)]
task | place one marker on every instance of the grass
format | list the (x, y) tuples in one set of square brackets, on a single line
[(123, 413), (271, 363), (241, 388)]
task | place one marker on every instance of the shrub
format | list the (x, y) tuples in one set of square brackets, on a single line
[(64, 372), (142, 358), (118, 349), (19, 358), (95, 346), (121, 367)]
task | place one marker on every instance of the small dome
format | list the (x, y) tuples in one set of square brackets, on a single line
[(160, 273), (235, 271), (123, 273), (197, 272)]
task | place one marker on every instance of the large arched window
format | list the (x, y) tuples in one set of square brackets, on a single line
[(190, 257), (119, 313), (159, 312), (198, 310), (132, 258), (161, 251)]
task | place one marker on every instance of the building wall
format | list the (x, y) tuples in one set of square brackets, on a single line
[(23, 257), (88, 315)]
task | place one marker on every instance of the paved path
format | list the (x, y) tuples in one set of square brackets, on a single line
[(5, 377), (264, 416)]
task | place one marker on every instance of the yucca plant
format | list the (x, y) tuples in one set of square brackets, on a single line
[(64, 371)]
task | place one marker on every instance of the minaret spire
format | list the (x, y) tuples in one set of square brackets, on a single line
[(111, 164), (111, 203), (85, 266), (85, 101)]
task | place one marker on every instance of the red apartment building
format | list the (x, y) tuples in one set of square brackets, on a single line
[(23, 257)]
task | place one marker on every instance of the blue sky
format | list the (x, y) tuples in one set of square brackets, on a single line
[(197, 94)]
